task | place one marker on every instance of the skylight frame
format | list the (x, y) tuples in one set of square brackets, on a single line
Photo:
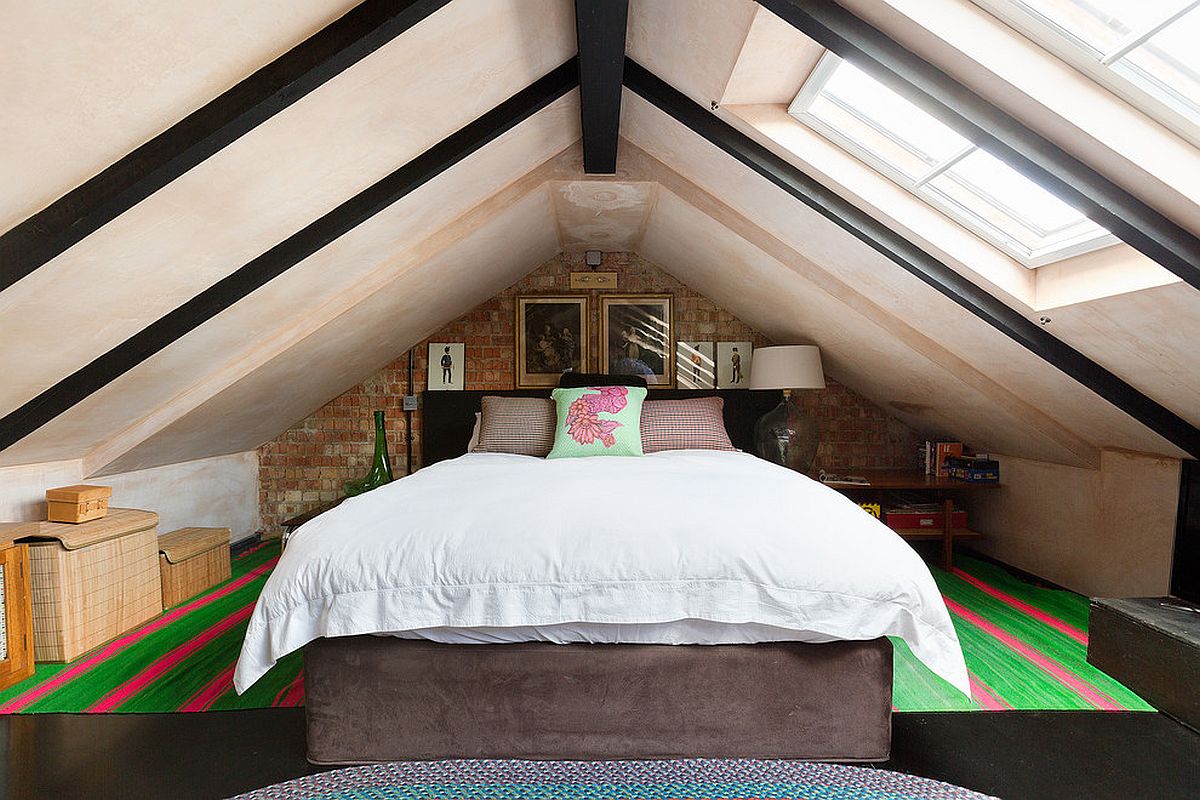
[(1031, 257), (1178, 113)]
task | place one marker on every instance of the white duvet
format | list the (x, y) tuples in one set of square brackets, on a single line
[(688, 546)]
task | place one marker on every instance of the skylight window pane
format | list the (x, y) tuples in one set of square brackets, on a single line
[(889, 151), (891, 115), (1005, 187), (1168, 64), (1152, 44), (1007, 206), (1102, 24), (928, 158)]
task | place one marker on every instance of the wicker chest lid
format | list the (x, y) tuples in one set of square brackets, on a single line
[(119, 522), (185, 543), (80, 493)]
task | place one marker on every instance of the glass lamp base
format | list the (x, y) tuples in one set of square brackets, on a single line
[(787, 436)]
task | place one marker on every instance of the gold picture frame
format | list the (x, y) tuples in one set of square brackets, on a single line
[(552, 337), (637, 337)]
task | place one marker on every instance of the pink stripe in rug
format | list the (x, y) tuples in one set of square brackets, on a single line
[(285, 697), (126, 690), (983, 694), (1021, 605), (203, 699), (295, 695), (35, 693), (1056, 671)]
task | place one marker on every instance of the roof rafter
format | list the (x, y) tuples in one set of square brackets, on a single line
[(1130, 219), (912, 258), (600, 31), (283, 256), (237, 111)]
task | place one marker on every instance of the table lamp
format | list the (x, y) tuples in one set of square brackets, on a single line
[(786, 434)]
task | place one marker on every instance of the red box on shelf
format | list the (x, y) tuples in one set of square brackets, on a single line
[(931, 520)]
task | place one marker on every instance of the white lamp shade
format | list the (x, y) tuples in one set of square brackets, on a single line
[(792, 366)]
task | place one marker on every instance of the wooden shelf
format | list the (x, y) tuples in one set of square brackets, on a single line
[(904, 479), (936, 534)]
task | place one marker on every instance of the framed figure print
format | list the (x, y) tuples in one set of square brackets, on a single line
[(733, 364), (447, 365), (694, 365), (552, 338), (635, 337)]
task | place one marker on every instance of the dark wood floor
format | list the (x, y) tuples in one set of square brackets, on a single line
[(1014, 755)]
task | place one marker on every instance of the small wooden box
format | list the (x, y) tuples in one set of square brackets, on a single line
[(91, 581), (75, 504), (191, 560)]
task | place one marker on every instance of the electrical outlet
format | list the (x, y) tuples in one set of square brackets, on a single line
[(409, 402)]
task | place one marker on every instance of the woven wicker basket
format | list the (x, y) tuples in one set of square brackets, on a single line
[(192, 560), (92, 581)]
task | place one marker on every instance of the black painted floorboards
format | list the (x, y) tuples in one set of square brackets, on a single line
[(1015, 755)]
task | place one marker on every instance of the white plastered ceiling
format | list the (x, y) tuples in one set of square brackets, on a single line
[(317, 330)]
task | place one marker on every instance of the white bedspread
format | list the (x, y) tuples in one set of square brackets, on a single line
[(725, 545)]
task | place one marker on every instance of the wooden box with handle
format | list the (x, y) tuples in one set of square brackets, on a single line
[(75, 504)]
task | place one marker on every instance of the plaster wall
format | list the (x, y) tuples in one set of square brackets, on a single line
[(216, 492), (1102, 532)]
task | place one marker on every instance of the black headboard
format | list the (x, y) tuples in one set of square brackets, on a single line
[(448, 417)]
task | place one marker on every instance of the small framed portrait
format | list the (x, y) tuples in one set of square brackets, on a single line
[(733, 364), (447, 366), (695, 367), (635, 337), (552, 338)]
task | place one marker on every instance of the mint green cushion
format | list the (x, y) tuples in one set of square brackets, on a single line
[(598, 421)]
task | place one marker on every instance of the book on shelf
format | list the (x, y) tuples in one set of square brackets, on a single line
[(935, 454)]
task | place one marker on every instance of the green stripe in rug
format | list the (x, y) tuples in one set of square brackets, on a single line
[(1024, 646), (1056, 677), (96, 678)]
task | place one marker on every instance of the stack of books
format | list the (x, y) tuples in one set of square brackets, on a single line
[(975, 469), (950, 460)]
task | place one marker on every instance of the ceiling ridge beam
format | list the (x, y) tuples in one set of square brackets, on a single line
[(274, 262), (237, 111), (912, 258), (600, 33), (1133, 221)]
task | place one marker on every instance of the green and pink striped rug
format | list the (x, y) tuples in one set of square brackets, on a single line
[(1025, 646)]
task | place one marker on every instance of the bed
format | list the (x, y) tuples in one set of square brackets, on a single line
[(685, 603)]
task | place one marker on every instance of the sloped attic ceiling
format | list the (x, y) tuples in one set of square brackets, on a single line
[(477, 226)]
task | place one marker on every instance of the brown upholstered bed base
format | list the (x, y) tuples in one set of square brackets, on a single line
[(372, 699)]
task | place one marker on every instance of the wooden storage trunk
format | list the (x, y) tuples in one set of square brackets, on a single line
[(92, 581), (77, 503), (191, 560)]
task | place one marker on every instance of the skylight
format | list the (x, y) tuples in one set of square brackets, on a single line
[(1152, 44), (928, 158)]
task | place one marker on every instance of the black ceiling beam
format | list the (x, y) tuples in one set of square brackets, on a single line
[(912, 258), (240, 109), (600, 31), (283, 256), (1001, 134)]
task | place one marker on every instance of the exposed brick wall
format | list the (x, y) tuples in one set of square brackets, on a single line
[(308, 464)]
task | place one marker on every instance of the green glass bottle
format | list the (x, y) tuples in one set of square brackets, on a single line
[(381, 468)]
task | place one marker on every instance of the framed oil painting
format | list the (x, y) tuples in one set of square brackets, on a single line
[(447, 363), (552, 338), (635, 337), (733, 364), (694, 365)]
